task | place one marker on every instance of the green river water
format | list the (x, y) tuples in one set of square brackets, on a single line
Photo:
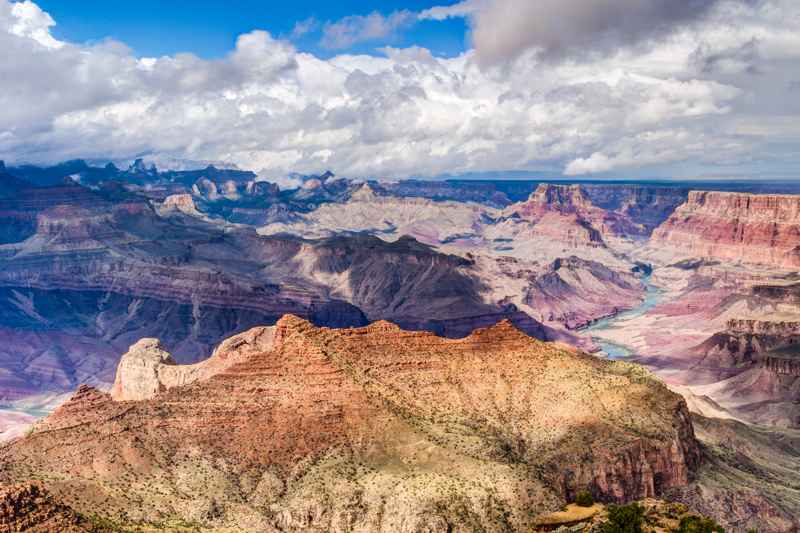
[(653, 296)]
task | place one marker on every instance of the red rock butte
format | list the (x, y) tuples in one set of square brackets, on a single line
[(294, 427)]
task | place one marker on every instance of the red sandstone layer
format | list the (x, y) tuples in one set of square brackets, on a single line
[(736, 227)]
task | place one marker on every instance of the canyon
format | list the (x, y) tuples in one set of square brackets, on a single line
[(98, 269), (120, 283)]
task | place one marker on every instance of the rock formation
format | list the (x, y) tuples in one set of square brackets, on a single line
[(372, 428), (647, 205), (29, 507), (745, 342), (575, 292), (735, 227), (763, 361), (559, 221), (749, 479), (368, 210), (556, 209), (183, 203), (147, 369)]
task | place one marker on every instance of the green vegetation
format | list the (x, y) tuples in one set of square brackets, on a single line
[(624, 519), (584, 498), (97, 523), (696, 524)]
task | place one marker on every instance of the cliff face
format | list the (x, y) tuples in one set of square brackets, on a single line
[(763, 327), (373, 428), (747, 341), (736, 227), (782, 366), (565, 212), (645, 205), (760, 363)]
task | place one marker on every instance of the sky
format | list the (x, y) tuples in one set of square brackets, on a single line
[(209, 28), (393, 89)]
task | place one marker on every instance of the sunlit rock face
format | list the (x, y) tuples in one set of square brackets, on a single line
[(395, 424), (736, 227)]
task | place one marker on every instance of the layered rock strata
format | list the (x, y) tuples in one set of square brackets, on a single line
[(372, 428), (735, 227)]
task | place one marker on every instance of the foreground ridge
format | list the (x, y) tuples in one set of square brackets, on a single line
[(371, 428)]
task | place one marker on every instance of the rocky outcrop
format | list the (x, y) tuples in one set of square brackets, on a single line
[(29, 507), (138, 371), (147, 369), (370, 428), (735, 227), (183, 203)]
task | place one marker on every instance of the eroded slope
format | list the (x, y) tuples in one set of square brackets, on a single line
[(371, 429)]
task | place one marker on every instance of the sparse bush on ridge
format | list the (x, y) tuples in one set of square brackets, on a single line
[(624, 519), (696, 524), (584, 499)]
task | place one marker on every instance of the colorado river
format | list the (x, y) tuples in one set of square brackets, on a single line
[(653, 296)]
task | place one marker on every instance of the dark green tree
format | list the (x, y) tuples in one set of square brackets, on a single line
[(696, 524), (624, 519), (584, 498)]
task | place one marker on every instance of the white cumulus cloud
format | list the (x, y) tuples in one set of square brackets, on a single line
[(721, 91), (355, 29)]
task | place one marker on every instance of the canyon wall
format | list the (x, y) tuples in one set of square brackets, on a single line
[(647, 205), (734, 227)]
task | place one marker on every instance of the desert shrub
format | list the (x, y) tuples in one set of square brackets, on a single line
[(696, 524), (624, 519), (584, 499)]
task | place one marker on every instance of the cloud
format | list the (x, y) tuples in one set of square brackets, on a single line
[(646, 148), (356, 29), (304, 27), (459, 10), (559, 29), (32, 22), (743, 58), (689, 101)]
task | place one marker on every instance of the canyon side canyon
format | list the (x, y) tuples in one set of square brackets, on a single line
[(202, 347)]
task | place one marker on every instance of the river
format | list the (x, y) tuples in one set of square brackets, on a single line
[(653, 296)]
